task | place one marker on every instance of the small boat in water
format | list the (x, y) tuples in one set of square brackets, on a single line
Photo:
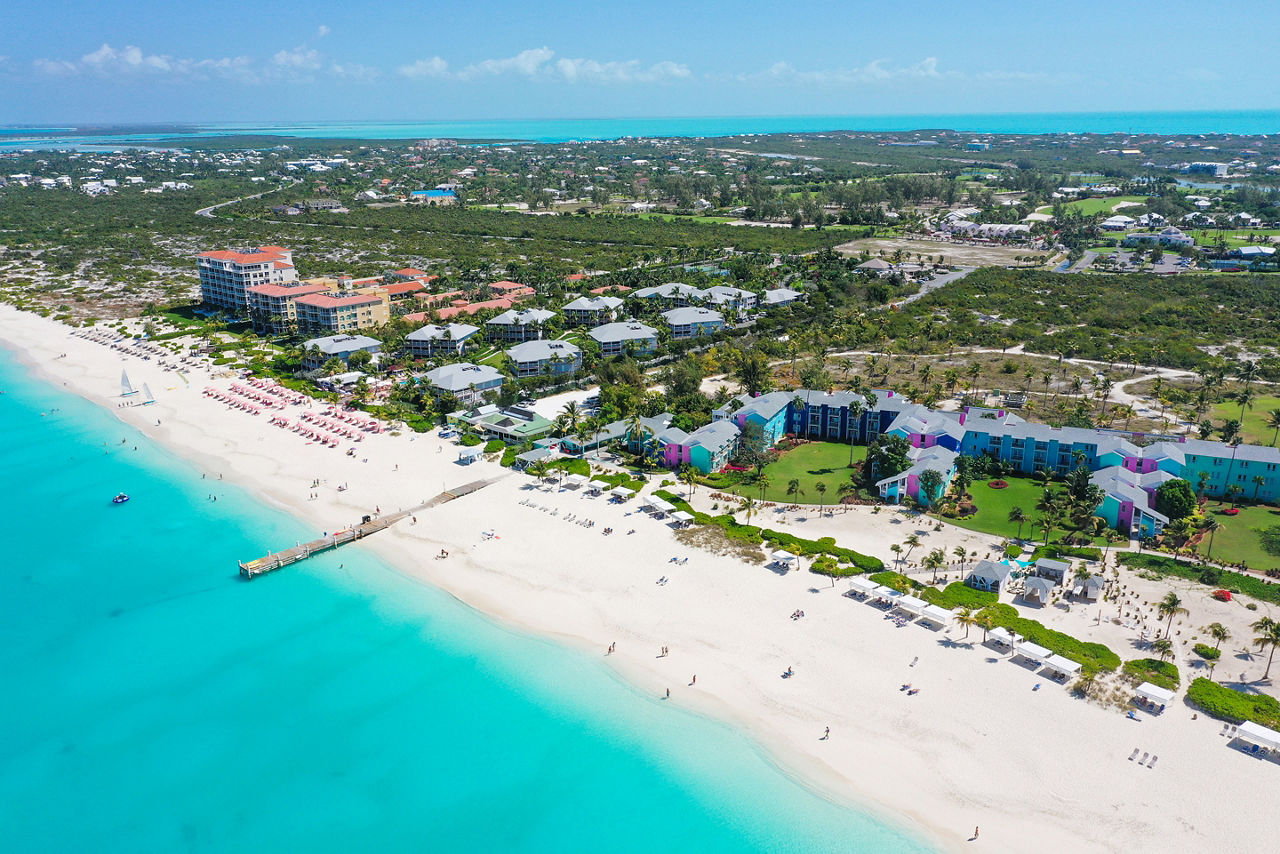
[(120, 499)]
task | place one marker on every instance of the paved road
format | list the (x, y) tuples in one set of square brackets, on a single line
[(938, 282), (209, 210)]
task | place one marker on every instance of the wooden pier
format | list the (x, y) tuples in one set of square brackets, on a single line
[(277, 560)]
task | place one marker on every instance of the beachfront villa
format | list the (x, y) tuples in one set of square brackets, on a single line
[(342, 311), (317, 351), (692, 322), (534, 358), (432, 339), (989, 575), (592, 311), (707, 449), (518, 325), (614, 338), (226, 275), (273, 308), (671, 295), (512, 424), (779, 297), (468, 383)]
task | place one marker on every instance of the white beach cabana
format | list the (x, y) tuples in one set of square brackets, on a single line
[(786, 559), (1002, 636), (467, 456), (912, 605), (661, 506), (682, 517), (596, 487), (1154, 694), (621, 493), (862, 585), (937, 614), (1259, 735), (576, 480), (1065, 666), (1035, 652)]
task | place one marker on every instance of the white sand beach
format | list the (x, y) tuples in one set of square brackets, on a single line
[(1036, 770)]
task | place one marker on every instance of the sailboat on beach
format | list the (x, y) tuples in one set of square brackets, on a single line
[(126, 387), (146, 393)]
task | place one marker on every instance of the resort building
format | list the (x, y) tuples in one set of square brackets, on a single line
[(512, 424), (672, 294), (616, 338), (989, 575), (342, 311), (693, 322), (226, 275), (592, 311), (468, 383), (780, 297), (707, 449), (317, 351), (432, 340), (1170, 236), (518, 325), (727, 298), (272, 308), (535, 358)]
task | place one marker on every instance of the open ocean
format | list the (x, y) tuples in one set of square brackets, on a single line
[(153, 702), (563, 130)]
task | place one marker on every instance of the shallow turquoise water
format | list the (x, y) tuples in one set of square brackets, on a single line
[(561, 130), (153, 702)]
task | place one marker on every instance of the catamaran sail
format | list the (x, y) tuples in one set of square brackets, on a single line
[(126, 387), (146, 391)]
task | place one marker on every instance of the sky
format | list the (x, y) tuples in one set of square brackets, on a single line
[(129, 61)]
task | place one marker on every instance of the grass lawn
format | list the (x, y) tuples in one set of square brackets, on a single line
[(1233, 237), (827, 462), (994, 506), (1254, 424), (1107, 205), (1238, 541)]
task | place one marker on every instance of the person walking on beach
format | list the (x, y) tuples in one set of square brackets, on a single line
[(826, 735), (695, 679), (975, 833), (668, 693)]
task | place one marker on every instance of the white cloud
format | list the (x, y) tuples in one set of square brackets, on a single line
[(300, 58), (355, 71), (526, 63), (631, 71), (131, 61), (877, 70), (433, 67), (322, 31)]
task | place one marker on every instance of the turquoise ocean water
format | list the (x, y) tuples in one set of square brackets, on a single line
[(154, 702), (560, 130)]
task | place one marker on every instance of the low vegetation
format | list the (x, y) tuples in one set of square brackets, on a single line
[(1225, 703), (1210, 576), (1161, 673)]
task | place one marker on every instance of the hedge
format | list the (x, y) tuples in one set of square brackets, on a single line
[(777, 539), (1061, 552), (957, 594), (826, 565), (1210, 576), (1207, 652), (469, 440), (635, 484), (1162, 673), (1224, 703), (571, 465), (495, 445), (1092, 657)]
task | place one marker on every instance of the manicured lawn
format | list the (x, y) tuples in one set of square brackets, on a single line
[(827, 462), (1238, 540), (994, 506), (1254, 424), (1093, 206)]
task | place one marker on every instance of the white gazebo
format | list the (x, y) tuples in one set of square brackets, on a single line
[(576, 480), (937, 614), (595, 487), (912, 605), (1035, 652), (1065, 666), (1259, 735), (1002, 636), (621, 493), (1154, 694), (864, 586), (786, 559), (682, 517)]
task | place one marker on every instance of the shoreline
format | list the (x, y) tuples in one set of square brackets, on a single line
[(923, 764)]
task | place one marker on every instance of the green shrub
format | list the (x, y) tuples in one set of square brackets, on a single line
[(1162, 673), (470, 440), (509, 456), (571, 465), (957, 594), (827, 565), (1057, 552), (1092, 657), (1013, 550), (494, 445), (1207, 652), (1209, 576), (1222, 702), (896, 580)]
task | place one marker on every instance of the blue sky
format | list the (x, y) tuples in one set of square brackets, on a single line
[(136, 60)]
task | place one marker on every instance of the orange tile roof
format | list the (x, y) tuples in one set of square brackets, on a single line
[(331, 301), (410, 272), (575, 277), (403, 287), (505, 286), (622, 289), (472, 308), (285, 291), (432, 299), (256, 257)]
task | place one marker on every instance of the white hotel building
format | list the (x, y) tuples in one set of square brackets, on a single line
[(226, 275)]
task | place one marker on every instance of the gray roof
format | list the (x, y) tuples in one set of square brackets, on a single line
[(334, 344), (1044, 585), (725, 293), (764, 405), (1252, 453), (991, 569), (594, 304), (537, 351), (715, 435), (627, 330), (1055, 565), (522, 317), (669, 291), (461, 376), (431, 332), (692, 314), (778, 295)]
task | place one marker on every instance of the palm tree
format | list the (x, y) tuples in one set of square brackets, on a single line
[(1258, 481), (856, 408), (569, 417), (749, 508), (897, 554), (935, 561), (1170, 606), (1233, 493), (966, 617), (1017, 516), (1273, 421), (1245, 397), (986, 620), (959, 552), (911, 542), (822, 492), (762, 481), (846, 489), (1162, 647), (689, 477), (1219, 633), (1268, 636), (793, 489)]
